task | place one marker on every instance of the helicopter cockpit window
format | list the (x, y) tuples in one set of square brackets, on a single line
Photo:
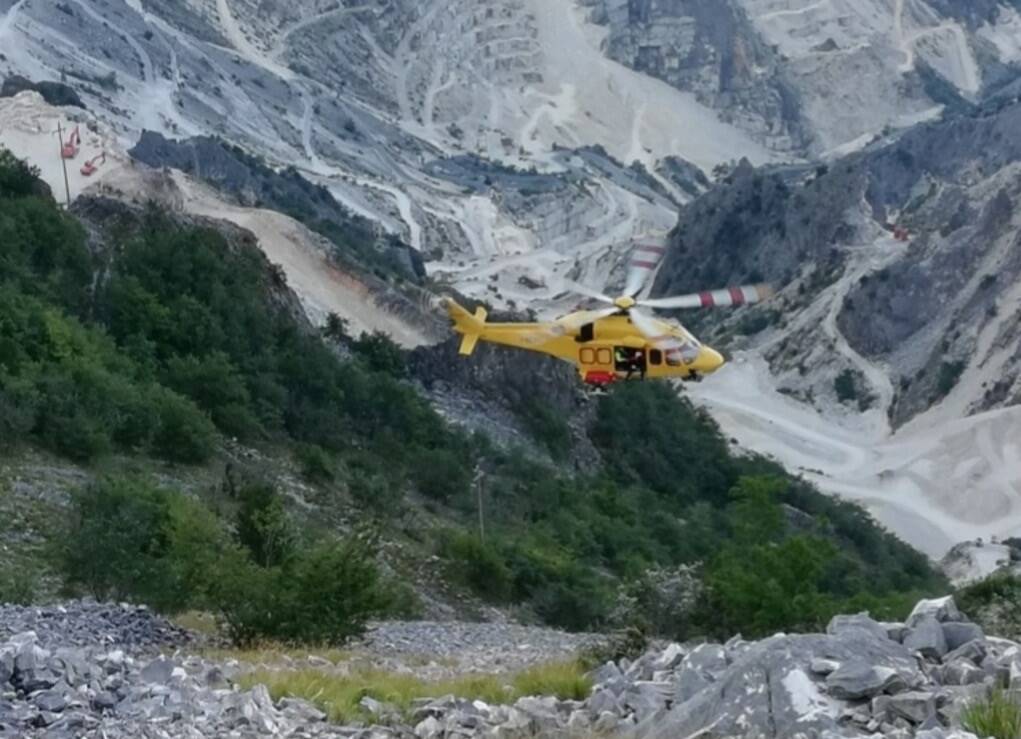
[(655, 357)]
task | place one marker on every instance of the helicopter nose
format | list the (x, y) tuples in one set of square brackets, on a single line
[(709, 360)]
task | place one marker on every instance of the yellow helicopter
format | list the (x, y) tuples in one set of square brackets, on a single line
[(619, 342)]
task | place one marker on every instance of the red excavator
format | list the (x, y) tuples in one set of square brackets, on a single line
[(90, 167), (70, 147)]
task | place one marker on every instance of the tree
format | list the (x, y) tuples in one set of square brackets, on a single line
[(264, 527), (381, 354), (116, 540), (755, 515), (336, 328), (17, 177)]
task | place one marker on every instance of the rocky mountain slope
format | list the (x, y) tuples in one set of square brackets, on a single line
[(897, 321), (820, 77), (92, 670), (523, 85), (503, 145)]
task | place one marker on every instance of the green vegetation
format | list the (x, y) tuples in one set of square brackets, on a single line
[(845, 387), (548, 428), (167, 338), (339, 695), (671, 493), (995, 604), (129, 540), (998, 716), (949, 374)]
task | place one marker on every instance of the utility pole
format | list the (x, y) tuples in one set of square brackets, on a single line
[(63, 162), (480, 477)]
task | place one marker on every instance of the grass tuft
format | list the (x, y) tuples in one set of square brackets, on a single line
[(338, 695), (998, 716)]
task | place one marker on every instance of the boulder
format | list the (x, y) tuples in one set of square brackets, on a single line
[(860, 622), (6, 667), (896, 631), (858, 678), (957, 634), (962, 672), (159, 671), (709, 659), (51, 701), (914, 706), (952, 700), (607, 724), (669, 658), (769, 690), (975, 651), (820, 666), (605, 673), (699, 669), (880, 707), (926, 637), (429, 728), (944, 734), (942, 609), (603, 700), (646, 699), (104, 701)]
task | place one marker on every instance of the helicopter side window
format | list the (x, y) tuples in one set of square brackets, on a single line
[(655, 357), (587, 333)]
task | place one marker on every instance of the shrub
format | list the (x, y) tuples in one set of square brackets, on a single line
[(263, 526), (377, 492), (316, 464), (548, 428), (380, 353), (478, 566), (440, 474), (17, 586), (660, 602), (998, 716), (325, 596), (183, 434), (17, 177), (949, 374), (116, 541), (845, 386)]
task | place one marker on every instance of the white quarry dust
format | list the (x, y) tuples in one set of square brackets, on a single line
[(635, 116), (932, 485), (973, 561)]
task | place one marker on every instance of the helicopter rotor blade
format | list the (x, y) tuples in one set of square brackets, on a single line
[(661, 338), (644, 260), (732, 296), (576, 320), (588, 292), (567, 325)]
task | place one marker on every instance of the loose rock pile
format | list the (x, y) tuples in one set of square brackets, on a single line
[(89, 624), (860, 679), (472, 647), (88, 671)]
